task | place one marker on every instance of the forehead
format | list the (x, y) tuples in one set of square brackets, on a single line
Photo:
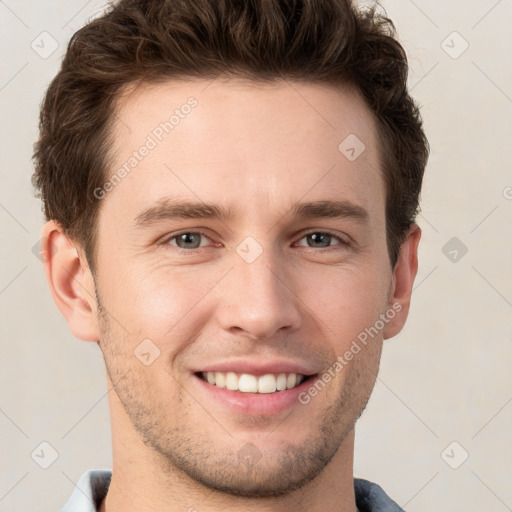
[(248, 145)]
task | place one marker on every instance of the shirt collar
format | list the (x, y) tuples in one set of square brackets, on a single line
[(89, 491)]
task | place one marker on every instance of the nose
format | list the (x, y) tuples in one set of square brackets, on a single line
[(257, 299)]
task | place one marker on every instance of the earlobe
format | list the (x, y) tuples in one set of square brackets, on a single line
[(404, 274), (71, 282)]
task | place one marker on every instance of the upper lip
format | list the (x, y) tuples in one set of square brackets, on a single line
[(258, 368)]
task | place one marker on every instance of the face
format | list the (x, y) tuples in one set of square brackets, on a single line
[(276, 268)]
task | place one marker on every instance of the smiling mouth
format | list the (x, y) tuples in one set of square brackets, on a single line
[(248, 383)]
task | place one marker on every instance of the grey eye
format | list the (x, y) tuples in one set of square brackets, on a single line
[(319, 239), (188, 240)]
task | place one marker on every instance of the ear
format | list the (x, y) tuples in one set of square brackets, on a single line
[(71, 282), (404, 274)]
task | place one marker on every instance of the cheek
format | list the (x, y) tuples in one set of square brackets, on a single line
[(165, 303), (343, 301)]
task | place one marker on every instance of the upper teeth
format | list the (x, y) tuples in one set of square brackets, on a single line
[(247, 383)]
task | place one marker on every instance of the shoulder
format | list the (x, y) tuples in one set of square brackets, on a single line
[(370, 497)]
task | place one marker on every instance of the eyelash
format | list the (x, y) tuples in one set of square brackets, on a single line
[(342, 243)]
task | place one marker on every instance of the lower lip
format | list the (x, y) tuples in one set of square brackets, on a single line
[(255, 403)]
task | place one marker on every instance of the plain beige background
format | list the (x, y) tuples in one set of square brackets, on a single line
[(444, 391)]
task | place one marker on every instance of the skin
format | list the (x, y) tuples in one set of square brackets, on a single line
[(256, 148)]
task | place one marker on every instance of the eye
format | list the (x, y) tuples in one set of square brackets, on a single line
[(323, 239), (187, 240), (190, 240)]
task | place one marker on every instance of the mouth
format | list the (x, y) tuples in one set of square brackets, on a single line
[(269, 383), (263, 388)]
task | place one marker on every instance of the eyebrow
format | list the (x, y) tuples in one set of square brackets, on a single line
[(168, 209)]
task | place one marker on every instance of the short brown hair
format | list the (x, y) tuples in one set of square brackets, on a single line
[(329, 41)]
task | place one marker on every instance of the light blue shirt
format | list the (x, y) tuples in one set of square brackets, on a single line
[(93, 485), (89, 491)]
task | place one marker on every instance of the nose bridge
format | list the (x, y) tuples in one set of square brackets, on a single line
[(257, 298)]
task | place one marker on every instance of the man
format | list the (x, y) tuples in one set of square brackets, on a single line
[(230, 190)]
